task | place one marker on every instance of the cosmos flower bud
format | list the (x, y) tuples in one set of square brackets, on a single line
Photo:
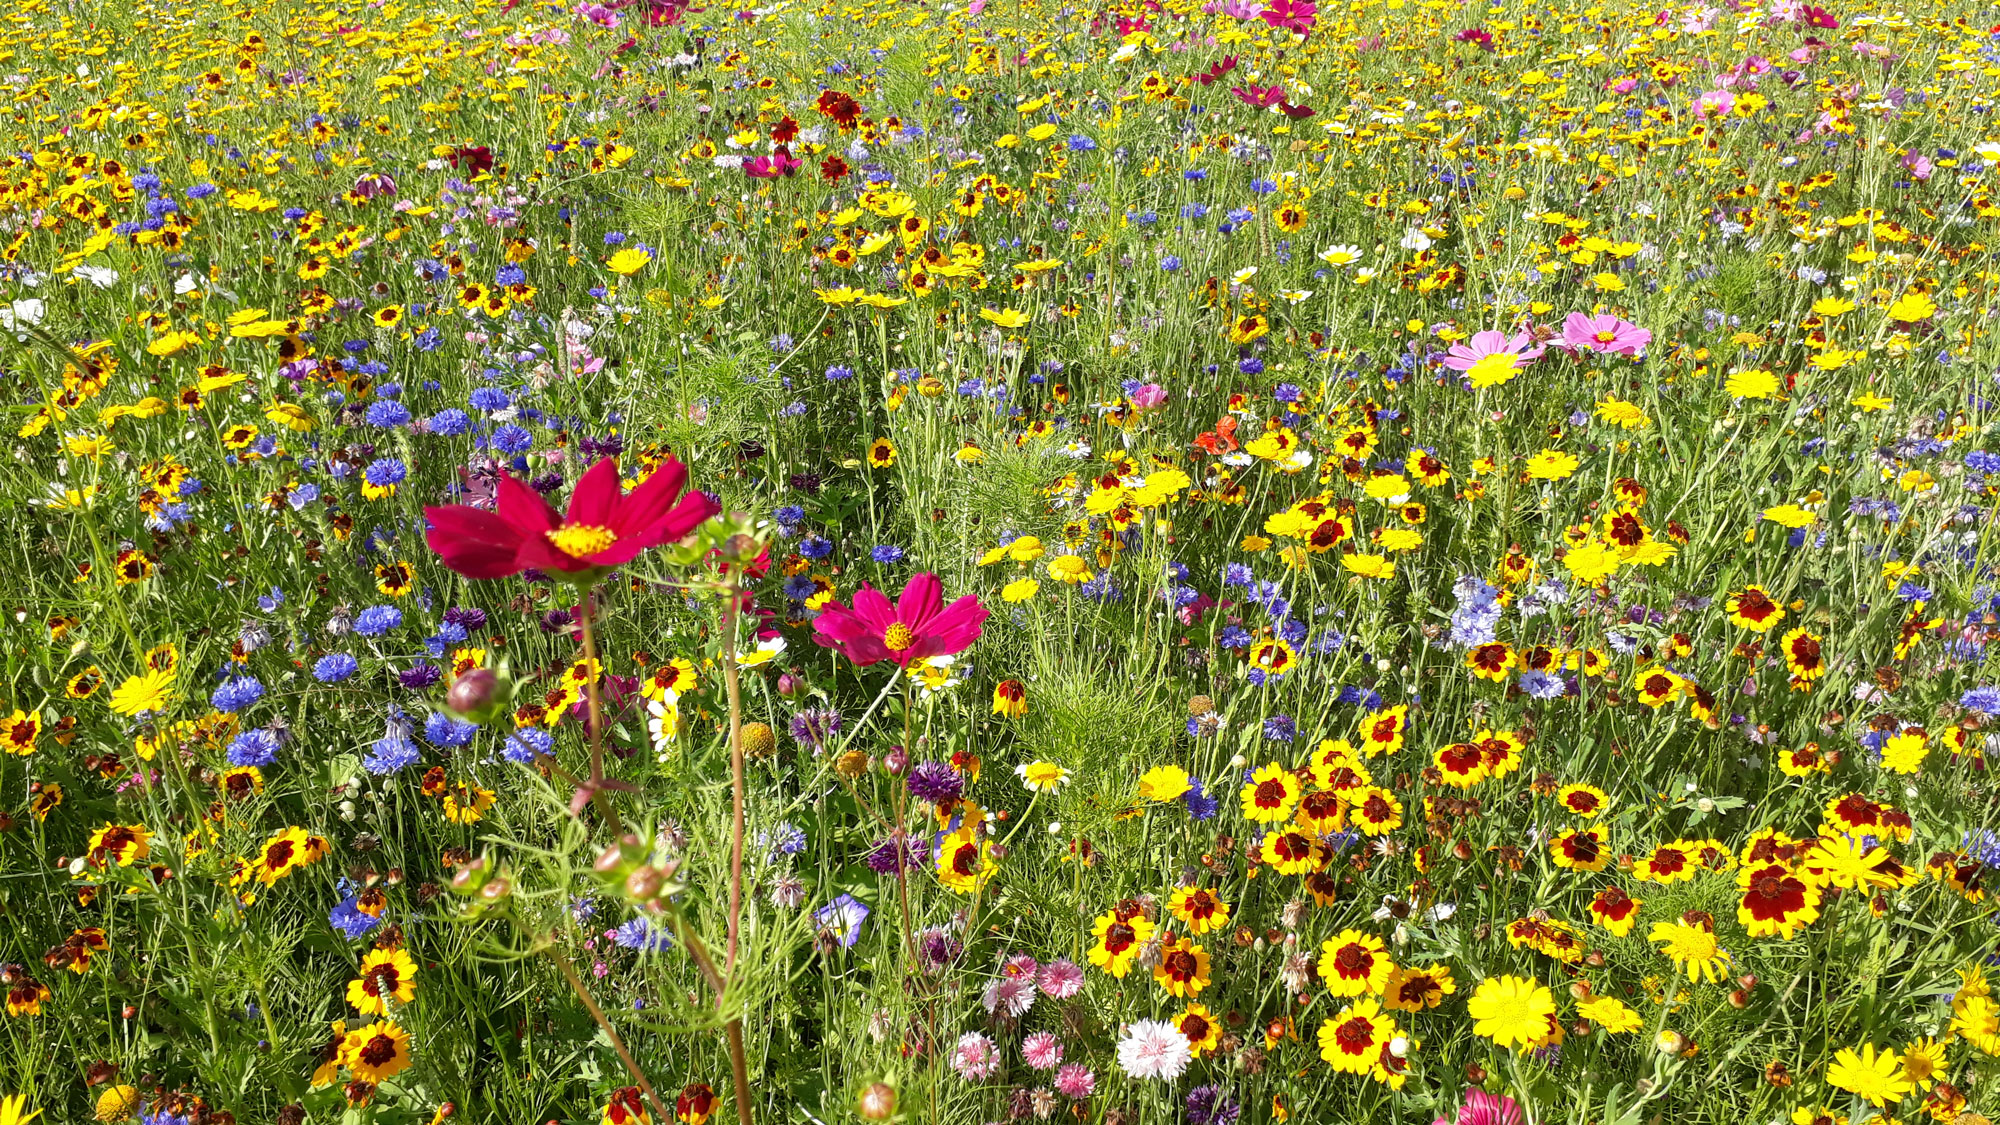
[(473, 693), (789, 685), (643, 884), (877, 1102)]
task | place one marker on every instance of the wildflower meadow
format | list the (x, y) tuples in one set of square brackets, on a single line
[(1170, 562)]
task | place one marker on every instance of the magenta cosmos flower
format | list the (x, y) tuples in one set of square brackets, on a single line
[(1482, 1108), (604, 527), (1290, 15), (916, 627), (1604, 333), (1492, 358)]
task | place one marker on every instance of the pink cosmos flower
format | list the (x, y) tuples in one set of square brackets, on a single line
[(1042, 1050), (1605, 334), (1076, 1082), (1290, 15), (1491, 358), (1151, 396), (1060, 979), (1259, 97), (917, 626), (779, 163), (1482, 1108), (1715, 103)]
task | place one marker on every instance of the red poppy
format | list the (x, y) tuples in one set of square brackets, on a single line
[(603, 527)]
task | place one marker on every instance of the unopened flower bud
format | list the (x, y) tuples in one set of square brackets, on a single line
[(877, 1102), (643, 885), (789, 685), (896, 761), (473, 691)]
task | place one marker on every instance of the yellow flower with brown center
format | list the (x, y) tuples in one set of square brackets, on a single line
[(1353, 963), (1183, 968), (377, 1051), (386, 975)]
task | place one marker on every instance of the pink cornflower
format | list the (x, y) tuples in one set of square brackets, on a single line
[(1041, 1050), (1153, 1049), (1605, 334), (1060, 979), (976, 1058), (1492, 358), (1076, 1082), (1010, 996), (1152, 396), (1019, 965), (1482, 1108)]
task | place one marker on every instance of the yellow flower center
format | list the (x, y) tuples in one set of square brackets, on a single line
[(1492, 369), (898, 637), (582, 540)]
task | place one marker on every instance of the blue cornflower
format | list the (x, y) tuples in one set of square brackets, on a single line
[(335, 667), (377, 620), (489, 399), (887, 553), (787, 839), (643, 936), (1199, 804), (450, 422), (384, 472), (353, 922), (524, 744), (256, 747), (394, 750), (236, 694), (1984, 699), (512, 439), (1537, 684), (443, 730)]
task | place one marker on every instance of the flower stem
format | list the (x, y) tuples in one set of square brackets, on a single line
[(732, 681), (594, 786), (631, 1066)]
